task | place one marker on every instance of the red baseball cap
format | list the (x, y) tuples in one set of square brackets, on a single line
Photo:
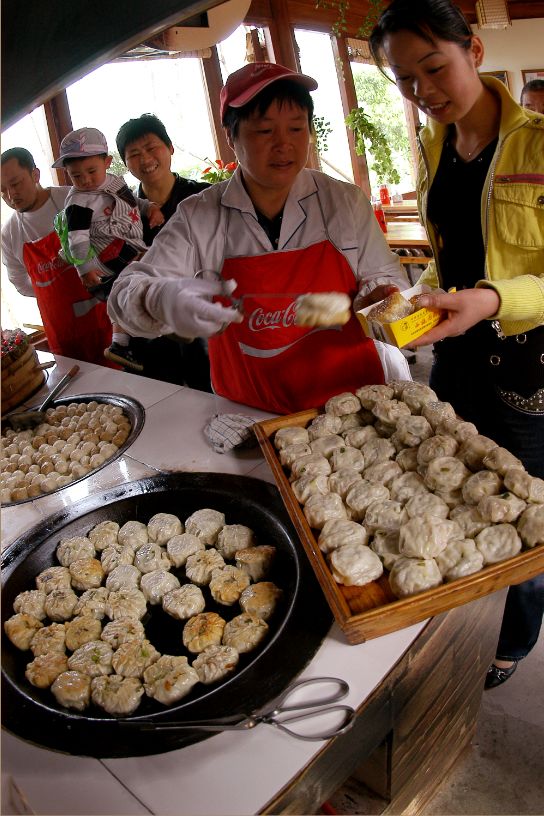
[(247, 82)]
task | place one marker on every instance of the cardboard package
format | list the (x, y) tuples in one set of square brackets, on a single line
[(403, 331)]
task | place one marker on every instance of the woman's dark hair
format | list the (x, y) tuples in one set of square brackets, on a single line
[(429, 19), (136, 128), (282, 91)]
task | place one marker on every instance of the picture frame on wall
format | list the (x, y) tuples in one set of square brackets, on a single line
[(501, 75), (532, 73)]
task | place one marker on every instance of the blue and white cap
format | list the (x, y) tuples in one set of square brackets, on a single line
[(81, 143)]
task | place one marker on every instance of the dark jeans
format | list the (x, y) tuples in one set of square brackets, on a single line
[(173, 361), (463, 381)]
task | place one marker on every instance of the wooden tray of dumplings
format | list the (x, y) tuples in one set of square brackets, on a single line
[(372, 610)]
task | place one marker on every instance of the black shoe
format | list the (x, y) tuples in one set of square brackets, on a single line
[(123, 356), (496, 677)]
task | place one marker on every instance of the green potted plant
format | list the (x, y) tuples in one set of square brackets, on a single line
[(371, 140)]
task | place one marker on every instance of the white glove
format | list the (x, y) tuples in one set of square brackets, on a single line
[(185, 306)]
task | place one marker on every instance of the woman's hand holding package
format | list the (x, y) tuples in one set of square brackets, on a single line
[(185, 306), (463, 310)]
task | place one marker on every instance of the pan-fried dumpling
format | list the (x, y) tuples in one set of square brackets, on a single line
[(126, 603), (339, 532), (51, 638), (184, 602), (92, 602), (104, 535), (427, 536), (501, 460), (80, 630), (453, 498), (506, 507), (437, 411), (119, 696), (113, 557), (45, 668), (362, 495), (469, 520), (169, 679), (227, 584), (377, 450), (93, 658), (72, 689), (122, 630), (244, 632), (407, 485), (427, 504), (356, 437), (324, 425), (531, 525), (215, 663), (498, 542), (383, 473), (290, 436), (480, 484), (261, 599), (162, 526), (416, 395), (205, 524), (459, 559), (127, 576), (133, 531), (342, 404), (386, 431), (446, 473), (71, 549), (340, 481), (319, 509), (325, 445), (151, 557), (355, 565), (385, 515), (322, 309), (21, 628), (409, 576), (291, 453), (203, 630), (155, 584), (474, 450), (350, 422), (386, 547), (346, 457), (53, 578), (199, 567), (390, 411), (412, 430), (314, 464), (256, 561), (60, 604), (457, 428), (133, 657), (180, 547), (309, 485), (368, 394), (435, 447), (31, 602), (527, 487), (234, 537), (407, 459), (86, 573)]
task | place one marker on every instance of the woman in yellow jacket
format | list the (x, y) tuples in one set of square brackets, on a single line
[(481, 198)]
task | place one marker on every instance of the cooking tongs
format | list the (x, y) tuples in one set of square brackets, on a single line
[(279, 716), (238, 302)]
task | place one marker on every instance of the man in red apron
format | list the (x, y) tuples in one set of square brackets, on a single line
[(274, 231), (76, 324)]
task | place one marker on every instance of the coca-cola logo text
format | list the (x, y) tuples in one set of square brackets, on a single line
[(260, 320)]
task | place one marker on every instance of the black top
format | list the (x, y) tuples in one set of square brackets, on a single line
[(272, 226), (183, 188)]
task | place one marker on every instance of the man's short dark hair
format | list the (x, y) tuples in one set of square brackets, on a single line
[(23, 156), (282, 91), (136, 128), (532, 85)]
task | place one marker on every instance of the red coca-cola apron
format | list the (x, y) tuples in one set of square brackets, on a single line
[(270, 363), (76, 323)]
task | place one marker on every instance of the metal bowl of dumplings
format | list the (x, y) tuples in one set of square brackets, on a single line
[(132, 409), (296, 629)]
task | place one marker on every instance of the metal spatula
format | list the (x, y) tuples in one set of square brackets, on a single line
[(24, 420)]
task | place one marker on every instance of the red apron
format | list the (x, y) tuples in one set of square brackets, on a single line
[(76, 324), (270, 363)]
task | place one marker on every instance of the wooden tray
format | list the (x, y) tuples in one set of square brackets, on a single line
[(372, 610)]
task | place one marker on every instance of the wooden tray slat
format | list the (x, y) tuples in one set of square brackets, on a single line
[(372, 610)]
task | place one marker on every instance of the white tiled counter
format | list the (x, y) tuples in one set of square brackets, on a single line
[(233, 772)]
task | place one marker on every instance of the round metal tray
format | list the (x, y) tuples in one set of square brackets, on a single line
[(296, 630), (133, 409)]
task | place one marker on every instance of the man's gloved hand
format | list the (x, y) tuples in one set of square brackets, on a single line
[(185, 305)]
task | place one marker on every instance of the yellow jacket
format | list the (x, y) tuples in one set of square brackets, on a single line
[(512, 212)]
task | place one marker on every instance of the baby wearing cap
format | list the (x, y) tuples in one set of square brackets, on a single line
[(101, 228)]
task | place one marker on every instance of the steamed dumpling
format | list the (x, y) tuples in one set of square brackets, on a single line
[(355, 565), (163, 526), (184, 602), (234, 537), (180, 547), (156, 584), (409, 576), (205, 524), (119, 696)]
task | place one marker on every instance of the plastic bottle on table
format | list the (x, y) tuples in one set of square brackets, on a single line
[(379, 213), (384, 195)]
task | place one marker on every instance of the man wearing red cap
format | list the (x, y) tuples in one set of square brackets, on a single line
[(274, 231)]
